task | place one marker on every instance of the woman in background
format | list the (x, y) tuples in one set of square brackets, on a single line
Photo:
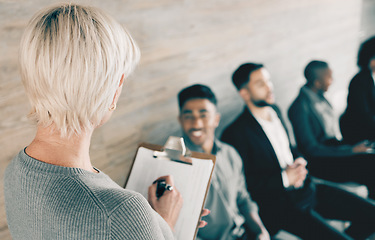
[(74, 61), (358, 121)]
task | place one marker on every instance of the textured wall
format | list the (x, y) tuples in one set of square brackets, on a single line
[(368, 19), (185, 42)]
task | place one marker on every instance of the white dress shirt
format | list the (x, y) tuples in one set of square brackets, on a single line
[(279, 140)]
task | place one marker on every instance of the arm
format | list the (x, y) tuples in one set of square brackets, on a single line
[(359, 102), (299, 116), (135, 219), (258, 177), (256, 226), (248, 208), (296, 153), (244, 201)]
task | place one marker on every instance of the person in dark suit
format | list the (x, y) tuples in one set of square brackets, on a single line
[(276, 174), (317, 133), (358, 121)]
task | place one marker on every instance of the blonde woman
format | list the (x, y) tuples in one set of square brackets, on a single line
[(74, 61)]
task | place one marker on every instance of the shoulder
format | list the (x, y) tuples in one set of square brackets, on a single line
[(232, 134), (11, 168), (360, 79), (229, 153), (131, 204), (227, 149), (300, 100), (236, 125), (298, 105), (110, 195)]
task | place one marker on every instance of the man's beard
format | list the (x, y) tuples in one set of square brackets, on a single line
[(260, 103)]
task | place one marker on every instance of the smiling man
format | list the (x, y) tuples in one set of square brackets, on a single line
[(233, 214)]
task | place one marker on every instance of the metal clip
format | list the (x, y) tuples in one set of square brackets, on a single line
[(175, 150)]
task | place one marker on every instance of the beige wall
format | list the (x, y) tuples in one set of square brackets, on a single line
[(368, 19), (185, 42)]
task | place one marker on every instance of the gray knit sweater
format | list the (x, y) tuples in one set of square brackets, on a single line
[(45, 201)]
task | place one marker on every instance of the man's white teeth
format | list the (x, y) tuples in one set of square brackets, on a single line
[(196, 133)]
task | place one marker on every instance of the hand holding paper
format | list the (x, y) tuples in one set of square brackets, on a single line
[(190, 182)]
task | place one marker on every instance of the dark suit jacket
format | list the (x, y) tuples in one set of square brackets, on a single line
[(262, 168), (309, 131), (358, 121)]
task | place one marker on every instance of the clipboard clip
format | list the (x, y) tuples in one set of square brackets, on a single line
[(175, 150)]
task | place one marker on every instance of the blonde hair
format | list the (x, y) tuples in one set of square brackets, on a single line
[(72, 58)]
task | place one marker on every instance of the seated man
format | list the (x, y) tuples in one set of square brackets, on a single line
[(287, 197), (232, 210), (358, 121), (316, 129)]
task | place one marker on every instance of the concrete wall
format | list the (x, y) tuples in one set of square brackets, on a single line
[(368, 19), (186, 42)]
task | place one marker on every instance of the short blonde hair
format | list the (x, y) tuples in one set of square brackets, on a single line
[(72, 58)]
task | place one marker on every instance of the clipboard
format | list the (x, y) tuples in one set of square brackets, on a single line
[(192, 177)]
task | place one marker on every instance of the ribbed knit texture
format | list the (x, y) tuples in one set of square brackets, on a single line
[(45, 201)]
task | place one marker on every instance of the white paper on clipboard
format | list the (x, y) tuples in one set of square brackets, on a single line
[(191, 180)]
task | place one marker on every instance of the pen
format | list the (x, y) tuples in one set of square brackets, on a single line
[(162, 186)]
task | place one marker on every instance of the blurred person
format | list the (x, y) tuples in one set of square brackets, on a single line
[(316, 129), (74, 60), (234, 215), (358, 121), (276, 173)]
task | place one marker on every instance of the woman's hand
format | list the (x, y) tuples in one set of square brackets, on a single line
[(169, 204)]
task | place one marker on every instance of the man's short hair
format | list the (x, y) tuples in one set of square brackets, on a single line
[(196, 91), (72, 58), (311, 70), (241, 76), (366, 53)]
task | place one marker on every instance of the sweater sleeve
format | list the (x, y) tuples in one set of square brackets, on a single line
[(135, 219)]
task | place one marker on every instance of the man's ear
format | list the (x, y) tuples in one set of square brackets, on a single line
[(217, 119), (317, 84), (244, 93)]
